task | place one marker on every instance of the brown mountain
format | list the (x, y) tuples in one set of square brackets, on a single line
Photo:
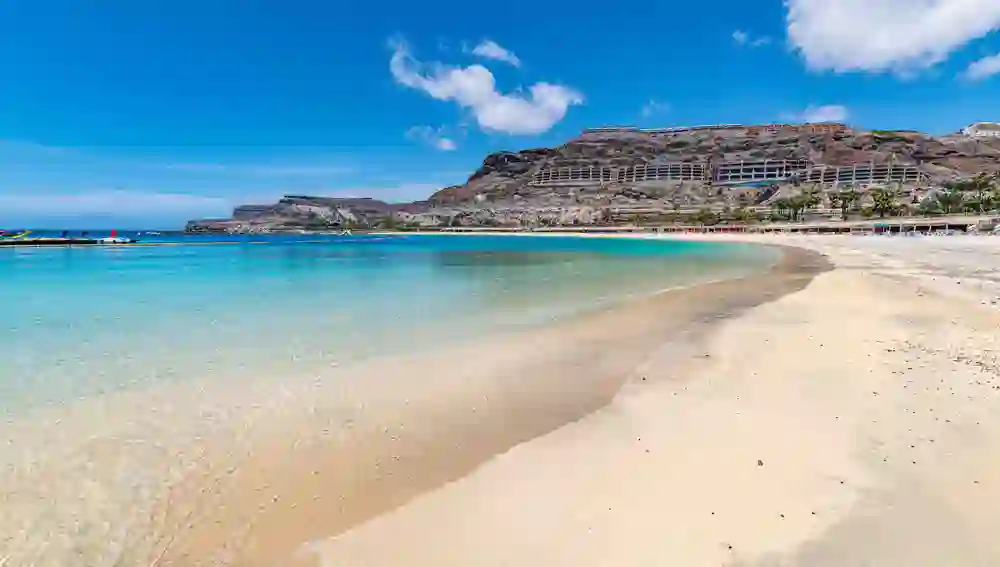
[(513, 188)]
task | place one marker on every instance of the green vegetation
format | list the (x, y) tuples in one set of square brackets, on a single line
[(979, 194), (705, 217), (845, 200), (885, 201)]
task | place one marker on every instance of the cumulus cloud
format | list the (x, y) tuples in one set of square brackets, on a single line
[(744, 38), (433, 137), (983, 68), (489, 49), (653, 107), (902, 36), (816, 114), (474, 88)]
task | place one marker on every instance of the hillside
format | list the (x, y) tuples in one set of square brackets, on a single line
[(506, 189)]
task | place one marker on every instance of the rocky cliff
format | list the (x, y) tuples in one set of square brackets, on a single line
[(501, 193), (300, 212)]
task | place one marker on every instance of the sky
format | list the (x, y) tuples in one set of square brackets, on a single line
[(147, 114)]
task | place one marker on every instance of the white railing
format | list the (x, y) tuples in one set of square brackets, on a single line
[(731, 173), (584, 176)]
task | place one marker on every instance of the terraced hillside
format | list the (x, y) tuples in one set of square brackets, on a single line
[(681, 171)]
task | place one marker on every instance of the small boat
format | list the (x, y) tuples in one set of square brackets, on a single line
[(116, 240)]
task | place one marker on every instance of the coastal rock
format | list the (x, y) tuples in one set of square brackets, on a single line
[(499, 193)]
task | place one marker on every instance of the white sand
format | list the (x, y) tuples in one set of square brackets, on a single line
[(871, 398), (242, 472)]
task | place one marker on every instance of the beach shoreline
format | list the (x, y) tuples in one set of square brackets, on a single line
[(815, 414), (484, 399), (851, 422), (251, 472)]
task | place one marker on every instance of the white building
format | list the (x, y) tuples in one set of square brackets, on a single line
[(983, 130)]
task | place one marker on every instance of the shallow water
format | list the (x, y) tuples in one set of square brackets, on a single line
[(84, 325), (81, 322)]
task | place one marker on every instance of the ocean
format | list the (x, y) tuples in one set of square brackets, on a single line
[(82, 325)]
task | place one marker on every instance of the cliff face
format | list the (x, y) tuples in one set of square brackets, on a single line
[(505, 175), (500, 192), (295, 212)]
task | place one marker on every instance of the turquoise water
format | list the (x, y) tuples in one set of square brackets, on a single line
[(126, 372), (85, 321)]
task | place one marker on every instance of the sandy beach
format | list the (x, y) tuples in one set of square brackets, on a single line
[(842, 408), (242, 472), (852, 422)]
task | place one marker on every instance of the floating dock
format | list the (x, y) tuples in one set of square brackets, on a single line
[(65, 242)]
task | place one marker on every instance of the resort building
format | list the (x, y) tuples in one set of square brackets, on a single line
[(983, 130), (730, 173), (584, 176), (861, 174), (763, 170)]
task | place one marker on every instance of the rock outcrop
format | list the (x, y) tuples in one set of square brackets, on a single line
[(501, 193), (299, 212)]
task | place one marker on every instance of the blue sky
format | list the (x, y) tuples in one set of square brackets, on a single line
[(150, 113)]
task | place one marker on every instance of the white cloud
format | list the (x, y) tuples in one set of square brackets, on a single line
[(654, 106), (744, 38), (817, 114), (474, 88), (902, 36), (983, 68), (433, 137), (489, 49)]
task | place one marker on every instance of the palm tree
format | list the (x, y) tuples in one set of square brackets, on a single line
[(884, 200), (811, 197), (837, 202), (950, 200), (846, 199), (804, 200), (745, 215), (982, 187), (781, 204)]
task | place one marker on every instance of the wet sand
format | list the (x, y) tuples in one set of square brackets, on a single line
[(243, 473), (853, 421), (389, 440), (323, 459)]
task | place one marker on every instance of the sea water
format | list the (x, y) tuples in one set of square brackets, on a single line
[(85, 324)]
